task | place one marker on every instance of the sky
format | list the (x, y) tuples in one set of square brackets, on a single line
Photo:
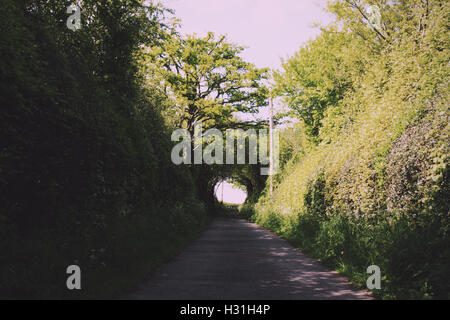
[(269, 29), (230, 193)]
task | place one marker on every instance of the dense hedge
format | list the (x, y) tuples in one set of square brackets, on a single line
[(85, 170), (372, 185)]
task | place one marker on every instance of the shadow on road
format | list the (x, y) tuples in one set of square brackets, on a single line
[(238, 260)]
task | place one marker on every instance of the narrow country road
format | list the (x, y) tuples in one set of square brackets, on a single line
[(238, 260)]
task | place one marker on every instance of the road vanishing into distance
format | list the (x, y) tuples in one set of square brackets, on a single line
[(238, 260)]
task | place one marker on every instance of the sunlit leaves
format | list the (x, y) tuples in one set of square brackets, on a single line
[(209, 79)]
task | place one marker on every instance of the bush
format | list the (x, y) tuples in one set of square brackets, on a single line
[(85, 173), (372, 184), (413, 256)]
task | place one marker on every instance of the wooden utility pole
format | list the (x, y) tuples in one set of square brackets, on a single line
[(271, 146)]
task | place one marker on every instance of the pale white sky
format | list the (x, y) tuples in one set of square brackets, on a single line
[(230, 194), (270, 29)]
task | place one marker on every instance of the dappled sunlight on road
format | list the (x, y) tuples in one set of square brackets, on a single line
[(235, 259)]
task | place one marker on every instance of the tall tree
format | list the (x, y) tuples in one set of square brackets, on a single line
[(318, 76), (209, 79)]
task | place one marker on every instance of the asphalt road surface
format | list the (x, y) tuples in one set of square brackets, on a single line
[(238, 260)]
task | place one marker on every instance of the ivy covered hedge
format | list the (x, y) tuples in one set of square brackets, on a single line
[(85, 170), (371, 184)]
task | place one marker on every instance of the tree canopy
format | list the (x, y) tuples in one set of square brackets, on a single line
[(209, 79)]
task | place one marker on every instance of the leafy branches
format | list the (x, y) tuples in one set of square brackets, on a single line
[(209, 79), (318, 77)]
